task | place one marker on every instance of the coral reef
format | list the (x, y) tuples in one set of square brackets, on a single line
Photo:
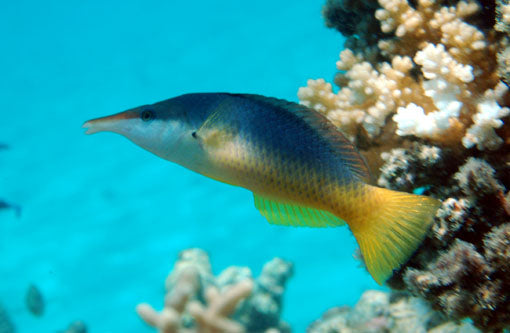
[(464, 283), (378, 312), (6, 325), (406, 169), (503, 26), (428, 67), (196, 301), (423, 93), (461, 269)]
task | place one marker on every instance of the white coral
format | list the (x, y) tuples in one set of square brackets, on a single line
[(436, 63), (488, 117), (412, 120), (445, 78)]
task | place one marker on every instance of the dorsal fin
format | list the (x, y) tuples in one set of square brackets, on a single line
[(340, 145)]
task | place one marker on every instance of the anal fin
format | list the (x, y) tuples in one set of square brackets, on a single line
[(294, 215)]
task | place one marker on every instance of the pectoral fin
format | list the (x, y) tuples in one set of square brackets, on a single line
[(213, 138), (217, 129)]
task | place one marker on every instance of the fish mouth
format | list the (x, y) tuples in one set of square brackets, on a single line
[(108, 123)]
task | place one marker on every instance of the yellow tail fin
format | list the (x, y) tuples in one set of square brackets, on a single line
[(390, 227)]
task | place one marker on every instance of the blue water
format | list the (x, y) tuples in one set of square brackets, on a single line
[(103, 220)]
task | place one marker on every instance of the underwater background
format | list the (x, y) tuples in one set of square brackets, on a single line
[(102, 221)]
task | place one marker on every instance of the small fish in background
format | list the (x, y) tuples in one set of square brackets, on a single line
[(34, 301), (6, 205), (300, 167)]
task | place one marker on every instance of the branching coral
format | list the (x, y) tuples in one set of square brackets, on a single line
[(430, 87), (169, 319), (213, 318), (232, 302), (428, 83), (433, 69), (424, 84)]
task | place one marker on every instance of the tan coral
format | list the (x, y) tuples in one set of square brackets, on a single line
[(319, 96), (210, 319), (438, 97), (214, 317), (369, 94), (168, 320)]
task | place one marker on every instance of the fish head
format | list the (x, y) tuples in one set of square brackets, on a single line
[(162, 128)]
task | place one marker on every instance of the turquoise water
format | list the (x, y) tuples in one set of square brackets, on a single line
[(102, 220)]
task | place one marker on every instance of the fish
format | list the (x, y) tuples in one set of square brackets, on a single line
[(6, 205), (34, 301), (301, 169)]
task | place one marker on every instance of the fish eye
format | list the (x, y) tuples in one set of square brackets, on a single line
[(147, 115)]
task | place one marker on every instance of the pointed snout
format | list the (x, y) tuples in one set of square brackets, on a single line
[(108, 123)]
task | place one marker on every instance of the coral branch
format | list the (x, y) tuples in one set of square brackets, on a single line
[(196, 301), (213, 319), (168, 320)]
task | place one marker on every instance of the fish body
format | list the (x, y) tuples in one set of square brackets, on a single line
[(300, 168)]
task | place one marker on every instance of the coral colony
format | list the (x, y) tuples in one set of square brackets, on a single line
[(424, 84), (430, 68), (196, 301)]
